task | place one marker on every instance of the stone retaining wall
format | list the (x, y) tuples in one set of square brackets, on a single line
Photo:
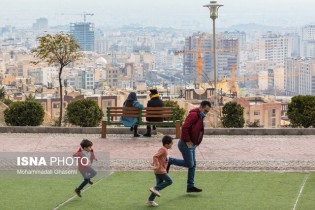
[(169, 131)]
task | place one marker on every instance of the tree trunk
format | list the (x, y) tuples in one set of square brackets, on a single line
[(61, 96)]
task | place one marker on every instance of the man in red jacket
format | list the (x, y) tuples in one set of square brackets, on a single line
[(191, 137)]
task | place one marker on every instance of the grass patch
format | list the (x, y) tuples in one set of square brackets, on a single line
[(130, 190), (307, 199)]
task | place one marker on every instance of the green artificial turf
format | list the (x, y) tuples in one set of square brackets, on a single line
[(130, 190)]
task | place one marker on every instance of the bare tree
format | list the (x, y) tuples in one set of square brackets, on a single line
[(59, 49)]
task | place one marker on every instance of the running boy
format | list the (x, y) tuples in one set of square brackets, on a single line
[(159, 166), (85, 156)]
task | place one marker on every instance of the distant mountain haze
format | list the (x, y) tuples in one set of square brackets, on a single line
[(174, 13)]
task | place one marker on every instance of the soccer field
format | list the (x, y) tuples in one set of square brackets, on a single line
[(130, 190)]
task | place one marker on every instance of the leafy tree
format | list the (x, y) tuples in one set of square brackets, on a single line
[(301, 111), (179, 112), (24, 113), (254, 124), (60, 49), (84, 113), (2, 93), (233, 115)]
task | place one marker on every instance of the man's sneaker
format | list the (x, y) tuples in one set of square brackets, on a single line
[(152, 203), (155, 192), (90, 182), (193, 189), (78, 192)]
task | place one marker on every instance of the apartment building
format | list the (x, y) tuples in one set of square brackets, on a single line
[(274, 47), (300, 76), (45, 75), (239, 35), (308, 41), (227, 56), (84, 34), (259, 109)]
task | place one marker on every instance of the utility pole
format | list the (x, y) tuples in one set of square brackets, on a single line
[(214, 7)]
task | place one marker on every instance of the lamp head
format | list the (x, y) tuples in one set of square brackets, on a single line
[(213, 7)]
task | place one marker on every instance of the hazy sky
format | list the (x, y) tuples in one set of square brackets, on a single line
[(174, 13)]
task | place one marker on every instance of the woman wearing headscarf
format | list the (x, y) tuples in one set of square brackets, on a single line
[(131, 101)]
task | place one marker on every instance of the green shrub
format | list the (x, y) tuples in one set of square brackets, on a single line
[(233, 115), (179, 112), (24, 113), (84, 113), (301, 111)]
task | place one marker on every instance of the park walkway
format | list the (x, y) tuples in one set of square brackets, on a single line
[(215, 153)]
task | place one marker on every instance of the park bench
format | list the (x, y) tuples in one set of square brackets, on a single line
[(167, 113)]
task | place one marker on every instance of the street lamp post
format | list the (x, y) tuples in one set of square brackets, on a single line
[(213, 7)]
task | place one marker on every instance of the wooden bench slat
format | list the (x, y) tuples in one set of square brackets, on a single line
[(121, 108), (146, 122), (158, 108), (145, 116), (167, 113), (157, 123), (158, 116), (124, 115), (122, 112), (160, 112)]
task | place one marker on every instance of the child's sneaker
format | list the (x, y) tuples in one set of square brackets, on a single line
[(152, 203), (155, 192), (78, 192), (90, 182)]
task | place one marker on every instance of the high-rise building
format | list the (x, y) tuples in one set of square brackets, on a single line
[(241, 36), (300, 76), (274, 47), (84, 34), (308, 40), (296, 45), (41, 23), (227, 55), (308, 33)]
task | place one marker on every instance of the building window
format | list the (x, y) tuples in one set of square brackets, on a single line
[(273, 113), (55, 105), (273, 122), (256, 112)]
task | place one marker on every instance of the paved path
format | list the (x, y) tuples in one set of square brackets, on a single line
[(215, 152)]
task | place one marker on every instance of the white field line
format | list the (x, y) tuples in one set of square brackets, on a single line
[(301, 190), (70, 199)]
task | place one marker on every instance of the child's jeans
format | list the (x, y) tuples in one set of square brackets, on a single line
[(162, 181), (87, 176)]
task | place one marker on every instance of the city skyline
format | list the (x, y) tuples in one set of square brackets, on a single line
[(175, 13)]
